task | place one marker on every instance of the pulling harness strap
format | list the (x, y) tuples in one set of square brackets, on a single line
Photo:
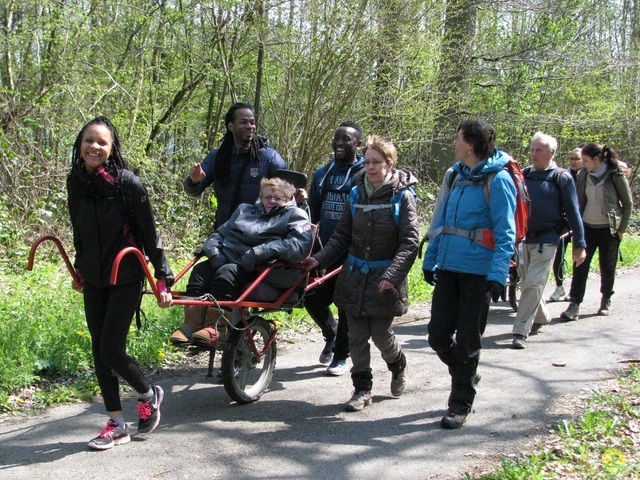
[(482, 236), (364, 265), (368, 208)]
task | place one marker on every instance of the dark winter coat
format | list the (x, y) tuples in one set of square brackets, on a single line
[(107, 215), (373, 236), (283, 234)]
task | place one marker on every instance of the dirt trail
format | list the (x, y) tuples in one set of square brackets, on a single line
[(298, 429)]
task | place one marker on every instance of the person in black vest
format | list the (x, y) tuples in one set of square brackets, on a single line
[(237, 166), (110, 210)]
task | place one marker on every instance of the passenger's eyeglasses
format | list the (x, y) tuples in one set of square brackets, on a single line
[(268, 198), (375, 163)]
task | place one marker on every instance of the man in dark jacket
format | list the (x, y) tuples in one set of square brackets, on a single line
[(237, 166), (553, 198), (329, 190)]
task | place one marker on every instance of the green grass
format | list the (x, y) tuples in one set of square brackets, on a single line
[(602, 443)]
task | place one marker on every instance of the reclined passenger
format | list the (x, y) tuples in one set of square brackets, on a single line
[(272, 229)]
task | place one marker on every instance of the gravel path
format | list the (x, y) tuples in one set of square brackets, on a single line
[(298, 429)]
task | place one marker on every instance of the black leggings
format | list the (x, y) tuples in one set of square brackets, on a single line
[(608, 247), (109, 312)]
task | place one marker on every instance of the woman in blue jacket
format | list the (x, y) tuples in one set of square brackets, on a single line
[(467, 268)]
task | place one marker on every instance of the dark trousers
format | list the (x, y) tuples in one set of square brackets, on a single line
[(608, 247), (458, 315), (224, 283), (109, 312), (317, 303), (558, 260)]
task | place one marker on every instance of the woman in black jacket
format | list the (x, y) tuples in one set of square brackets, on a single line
[(110, 210)]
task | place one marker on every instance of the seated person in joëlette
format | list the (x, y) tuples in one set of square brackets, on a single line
[(272, 229)]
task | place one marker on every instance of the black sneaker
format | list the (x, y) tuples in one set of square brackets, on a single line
[(327, 352), (452, 420), (519, 342), (111, 435), (605, 306), (571, 313), (535, 328), (149, 411)]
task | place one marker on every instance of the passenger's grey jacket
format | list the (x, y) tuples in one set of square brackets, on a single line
[(617, 197), (282, 234), (374, 236)]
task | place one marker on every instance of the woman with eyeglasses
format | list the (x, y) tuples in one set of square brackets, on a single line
[(379, 232), (605, 203), (272, 229)]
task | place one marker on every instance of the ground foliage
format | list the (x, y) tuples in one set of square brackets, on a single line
[(602, 442)]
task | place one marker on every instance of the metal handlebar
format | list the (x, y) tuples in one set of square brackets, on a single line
[(63, 254)]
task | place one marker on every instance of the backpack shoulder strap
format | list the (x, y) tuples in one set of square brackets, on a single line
[(124, 196), (451, 177)]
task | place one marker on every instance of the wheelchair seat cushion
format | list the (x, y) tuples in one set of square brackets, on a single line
[(268, 294)]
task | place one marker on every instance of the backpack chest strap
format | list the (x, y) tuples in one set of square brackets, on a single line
[(368, 208)]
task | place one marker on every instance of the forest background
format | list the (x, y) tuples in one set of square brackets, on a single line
[(166, 71)]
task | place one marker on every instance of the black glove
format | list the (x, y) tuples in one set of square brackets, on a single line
[(248, 260), (217, 261), (494, 290), (429, 277)]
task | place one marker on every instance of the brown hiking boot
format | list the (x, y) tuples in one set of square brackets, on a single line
[(214, 331), (194, 318), (359, 401)]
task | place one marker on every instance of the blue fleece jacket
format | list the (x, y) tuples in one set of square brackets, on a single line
[(466, 208), (553, 198)]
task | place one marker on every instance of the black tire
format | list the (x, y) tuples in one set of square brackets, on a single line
[(245, 378), (513, 297)]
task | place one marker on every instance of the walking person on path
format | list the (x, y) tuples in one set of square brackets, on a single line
[(559, 294), (379, 232), (466, 273), (329, 191), (110, 210), (605, 204), (553, 201)]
